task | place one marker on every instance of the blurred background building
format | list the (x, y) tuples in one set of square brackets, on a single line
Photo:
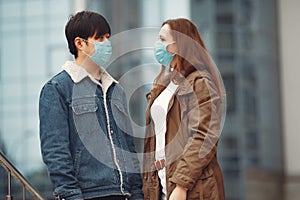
[(253, 42)]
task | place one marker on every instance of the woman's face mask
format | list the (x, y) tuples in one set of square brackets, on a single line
[(102, 54), (161, 54)]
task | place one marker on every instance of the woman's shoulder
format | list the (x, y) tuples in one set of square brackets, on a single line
[(199, 82), (198, 75)]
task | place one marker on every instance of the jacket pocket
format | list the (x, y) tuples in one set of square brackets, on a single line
[(83, 105), (209, 184), (84, 108), (204, 188), (92, 173)]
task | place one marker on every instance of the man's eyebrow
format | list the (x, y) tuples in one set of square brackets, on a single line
[(103, 35)]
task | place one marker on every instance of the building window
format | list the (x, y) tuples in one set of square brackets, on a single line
[(224, 1), (227, 56), (225, 19), (229, 82), (225, 40), (252, 148)]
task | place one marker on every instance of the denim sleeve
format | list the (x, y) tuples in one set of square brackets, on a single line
[(54, 137)]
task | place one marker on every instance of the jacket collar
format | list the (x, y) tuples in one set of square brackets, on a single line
[(78, 73), (186, 86)]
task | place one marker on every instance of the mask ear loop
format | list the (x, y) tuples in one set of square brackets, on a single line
[(169, 45), (88, 42), (171, 69), (85, 53)]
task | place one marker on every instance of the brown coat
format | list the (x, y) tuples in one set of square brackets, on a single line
[(193, 128)]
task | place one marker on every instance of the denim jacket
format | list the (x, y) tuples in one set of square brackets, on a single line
[(86, 136)]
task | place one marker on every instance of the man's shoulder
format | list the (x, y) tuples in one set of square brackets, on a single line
[(61, 81), (61, 77)]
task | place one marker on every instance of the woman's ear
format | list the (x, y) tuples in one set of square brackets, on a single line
[(172, 48)]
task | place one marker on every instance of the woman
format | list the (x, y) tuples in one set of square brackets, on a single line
[(184, 118)]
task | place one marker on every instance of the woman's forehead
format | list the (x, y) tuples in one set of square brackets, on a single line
[(165, 31)]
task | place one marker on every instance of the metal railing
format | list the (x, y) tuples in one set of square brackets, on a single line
[(12, 171)]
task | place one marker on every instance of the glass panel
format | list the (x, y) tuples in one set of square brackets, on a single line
[(58, 7), (11, 57), (229, 82), (57, 56), (34, 8), (230, 142), (250, 105), (225, 40), (36, 24), (11, 9), (11, 27), (225, 56), (223, 1), (34, 87), (35, 55), (225, 19)]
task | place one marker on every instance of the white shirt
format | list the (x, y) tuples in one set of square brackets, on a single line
[(159, 110)]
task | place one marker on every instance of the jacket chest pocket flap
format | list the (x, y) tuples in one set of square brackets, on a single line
[(84, 105)]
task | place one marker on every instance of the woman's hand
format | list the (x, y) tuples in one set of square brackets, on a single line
[(179, 193)]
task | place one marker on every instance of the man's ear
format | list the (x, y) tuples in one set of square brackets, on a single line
[(78, 43)]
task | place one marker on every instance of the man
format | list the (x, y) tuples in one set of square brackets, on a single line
[(85, 132)]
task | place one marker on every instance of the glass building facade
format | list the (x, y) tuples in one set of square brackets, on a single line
[(243, 40), (240, 34), (32, 49)]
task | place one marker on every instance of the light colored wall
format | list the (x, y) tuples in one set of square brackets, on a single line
[(79, 5), (175, 9), (289, 32)]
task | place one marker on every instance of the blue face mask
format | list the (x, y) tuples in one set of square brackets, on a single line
[(102, 54), (161, 54)]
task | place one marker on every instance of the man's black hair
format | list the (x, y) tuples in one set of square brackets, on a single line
[(85, 24)]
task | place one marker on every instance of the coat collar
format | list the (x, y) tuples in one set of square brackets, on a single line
[(78, 73), (186, 86)]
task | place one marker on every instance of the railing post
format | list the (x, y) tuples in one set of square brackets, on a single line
[(24, 192), (8, 196), (12, 171)]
